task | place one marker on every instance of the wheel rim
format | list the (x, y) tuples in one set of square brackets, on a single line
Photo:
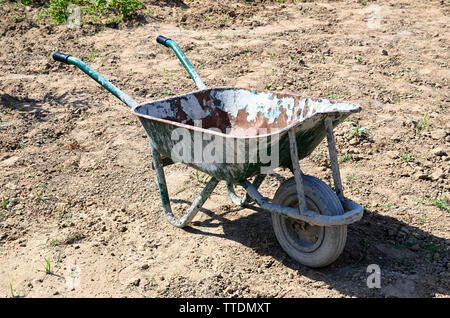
[(302, 236)]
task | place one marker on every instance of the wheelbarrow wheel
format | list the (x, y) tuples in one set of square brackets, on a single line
[(310, 245)]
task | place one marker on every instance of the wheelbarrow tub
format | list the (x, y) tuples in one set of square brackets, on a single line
[(239, 119)]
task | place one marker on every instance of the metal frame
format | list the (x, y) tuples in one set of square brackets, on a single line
[(354, 211), (164, 194), (334, 159), (246, 199)]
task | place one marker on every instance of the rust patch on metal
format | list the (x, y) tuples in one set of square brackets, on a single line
[(305, 108), (218, 118)]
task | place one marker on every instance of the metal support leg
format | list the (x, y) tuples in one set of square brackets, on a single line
[(195, 206), (353, 214), (334, 159), (354, 211), (246, 199), (297, 171)]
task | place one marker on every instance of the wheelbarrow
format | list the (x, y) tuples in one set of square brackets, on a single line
[(235, 134)]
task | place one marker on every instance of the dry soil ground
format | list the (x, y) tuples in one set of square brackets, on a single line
[(77, 185)]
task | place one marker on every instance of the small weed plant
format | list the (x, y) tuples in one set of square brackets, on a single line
[(105, 12)]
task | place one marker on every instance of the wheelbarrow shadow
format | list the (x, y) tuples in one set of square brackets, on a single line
[(405, 254), (25, 106), (31, 109)]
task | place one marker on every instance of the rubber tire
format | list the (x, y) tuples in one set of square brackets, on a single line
[(322, 199)]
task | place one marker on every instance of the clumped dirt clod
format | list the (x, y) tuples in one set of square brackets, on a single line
[(76, 183)]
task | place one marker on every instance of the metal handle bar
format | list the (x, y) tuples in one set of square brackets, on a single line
[(68, 59), (183, 59)]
